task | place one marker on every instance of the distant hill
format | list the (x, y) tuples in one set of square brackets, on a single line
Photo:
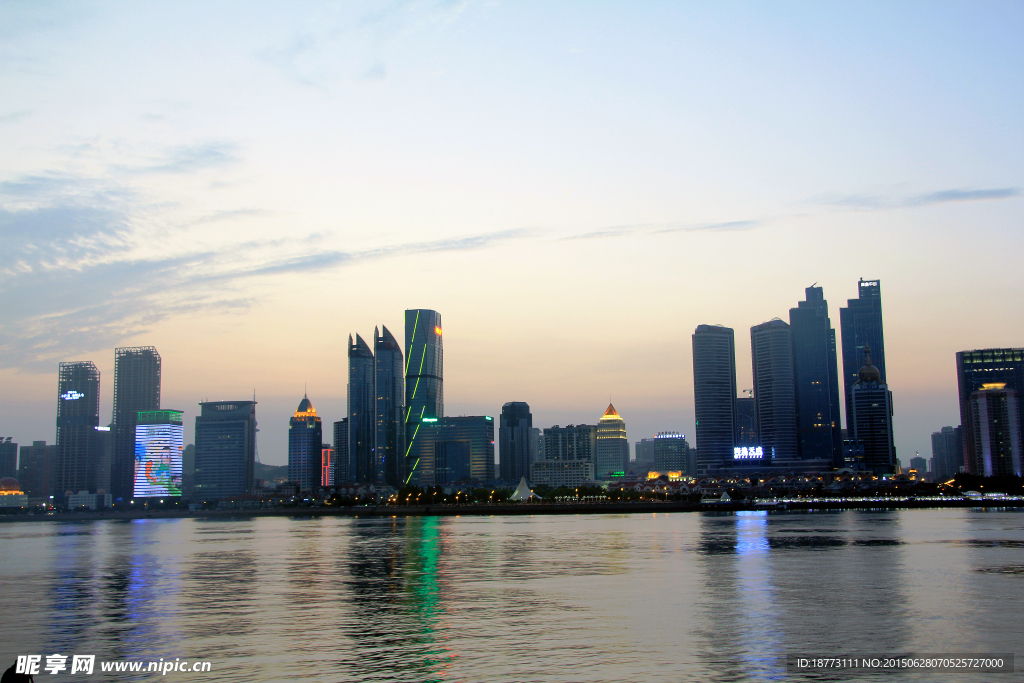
[(271, 472)]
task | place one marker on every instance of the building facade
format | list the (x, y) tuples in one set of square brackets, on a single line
[(305, 447), (975, 369), (571, 442), (947, 453), (671, 453), (225, 449), (714, 394), (612, 445), (746, 419), (8, 457), (452, 449), (361, 403), (861, 326), (995, 428), (36, 465), (78, 415), (159, 447), (516, 441), (342, 473), (424, 376), (389, 397), (872, 420), (816, 379), (137, 377), (556, 473), (771, 350)]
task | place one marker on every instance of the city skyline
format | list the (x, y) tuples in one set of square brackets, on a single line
[(322, 149)]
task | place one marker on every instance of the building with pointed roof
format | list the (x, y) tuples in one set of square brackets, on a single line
[(612, 445), (305, 447), (389, 405), (361, 432)]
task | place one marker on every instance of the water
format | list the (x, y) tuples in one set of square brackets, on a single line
[(667, 597)]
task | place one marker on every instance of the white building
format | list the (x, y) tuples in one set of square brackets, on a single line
[(555, 473)]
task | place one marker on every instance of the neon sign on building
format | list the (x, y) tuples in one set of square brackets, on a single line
[(747, 453)]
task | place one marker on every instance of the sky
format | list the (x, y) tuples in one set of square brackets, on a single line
[(574, 186)]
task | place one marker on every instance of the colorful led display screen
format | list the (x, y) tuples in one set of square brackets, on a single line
[(158, 450)]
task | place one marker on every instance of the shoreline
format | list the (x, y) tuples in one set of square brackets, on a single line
[(517, 509)]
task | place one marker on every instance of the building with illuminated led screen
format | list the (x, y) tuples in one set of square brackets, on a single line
[(137, 376), (158, 453), (424, 378), (453, 449)]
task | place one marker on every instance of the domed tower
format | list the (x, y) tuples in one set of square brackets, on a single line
[(871, 418), (305, 444)]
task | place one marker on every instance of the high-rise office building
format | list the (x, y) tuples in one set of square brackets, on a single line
[(571, 442), (671, 453), (453, 449), (612, 445), (104, 457), (342, 471), (861, 326), (328, 466), (361, 404), (158, 454), (225, 449), (714, 394), (137, 372), (389, 397), (78, 415), (643, 457), (816, 377), (746, 420), (975, 369), (920, 465), (994, 411), (305, 446), (36, 468), (871, 420), (947, 452), (424, 374), (8, 458), (517, 449), (538, 443), (771, 350)]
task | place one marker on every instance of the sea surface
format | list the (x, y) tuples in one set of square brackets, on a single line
[(640, 597)]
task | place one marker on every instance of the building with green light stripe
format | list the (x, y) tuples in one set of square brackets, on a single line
[(424, 378)]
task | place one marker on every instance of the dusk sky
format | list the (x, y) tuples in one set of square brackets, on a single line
[(574, 186)]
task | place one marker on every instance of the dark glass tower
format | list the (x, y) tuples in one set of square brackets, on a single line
[(947, 453), (976, 369), (816, 377), (389, 396), (424, 374), (342, 475), (516, 441), (714, 394), (861, 326), (136, 388), (872, 419), (305, 447), (225, 449), (78, 415), (771, 351), (361, 432)]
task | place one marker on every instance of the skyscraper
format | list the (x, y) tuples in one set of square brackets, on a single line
[(389, 396), (78, 415), (225, 449), (871, 419), (158, 454), (361, 403), (305, 447), (771, 350), (35, 469), (136, 388), (424, 373), (714, 394), (671, 452), (451, 449), (861, 326), (816, 377), (517, 450), (947, 452), (612, 445), (342, 471), (746, 418), (996, 430), (8, 458), (571, 442), (975, 369)]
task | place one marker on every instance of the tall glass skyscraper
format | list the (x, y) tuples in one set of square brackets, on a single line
[(816, 377), (342, 475), (78, 415), (714, 394), (872, 419), (612, 445), (861, 326), (993, 372), (137, 374), (305, 447), (424, 374), (225, 449), (361, 431), (771, 351), (389, 397), (517, 446)]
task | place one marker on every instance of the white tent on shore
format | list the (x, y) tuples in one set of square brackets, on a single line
[(523, 491)]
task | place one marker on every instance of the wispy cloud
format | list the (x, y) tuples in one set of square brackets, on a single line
[(868, 202), (192, 158), (659, 228)]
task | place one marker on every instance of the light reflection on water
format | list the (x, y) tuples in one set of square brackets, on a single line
[(643, 597)]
